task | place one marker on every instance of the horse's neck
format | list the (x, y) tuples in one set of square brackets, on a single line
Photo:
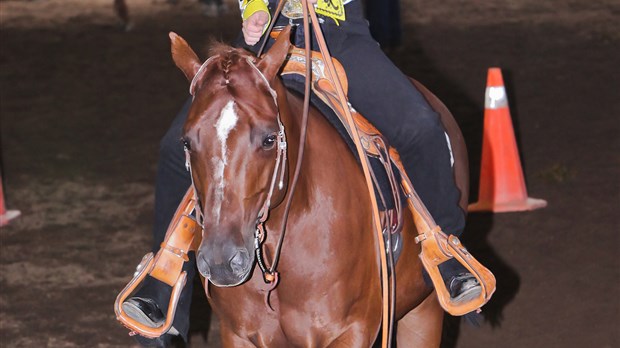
[(329, 171)]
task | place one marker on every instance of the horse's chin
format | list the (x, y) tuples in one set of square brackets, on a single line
[(228, 281)]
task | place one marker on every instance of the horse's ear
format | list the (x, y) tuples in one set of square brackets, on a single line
[(184, 57), (272, 61)]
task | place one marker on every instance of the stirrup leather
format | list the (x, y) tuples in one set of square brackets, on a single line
[(183, 235), (436, 247)]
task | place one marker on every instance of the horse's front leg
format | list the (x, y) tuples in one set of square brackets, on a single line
[(232, 340), (422, 326), (356, 336), (266, 336)]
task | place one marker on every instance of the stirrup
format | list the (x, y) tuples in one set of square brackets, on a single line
[(132, 324), (166, 266), (438, 248)]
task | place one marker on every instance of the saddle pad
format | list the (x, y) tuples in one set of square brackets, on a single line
[(295, 83)]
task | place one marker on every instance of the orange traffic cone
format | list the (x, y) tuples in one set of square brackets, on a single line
[(502, 186), (6, 215)]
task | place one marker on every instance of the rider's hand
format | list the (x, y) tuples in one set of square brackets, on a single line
[(253, 27)]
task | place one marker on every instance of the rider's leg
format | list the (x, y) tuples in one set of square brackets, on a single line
[(172, 181), (382, 93)]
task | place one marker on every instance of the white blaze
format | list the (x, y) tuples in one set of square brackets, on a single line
[(227, 121)]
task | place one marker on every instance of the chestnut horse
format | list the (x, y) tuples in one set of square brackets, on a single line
[(329, 291)]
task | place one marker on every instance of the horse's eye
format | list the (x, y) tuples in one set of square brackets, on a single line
[(269, 142)]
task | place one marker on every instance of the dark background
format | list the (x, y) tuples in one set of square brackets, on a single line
[(83, 105)]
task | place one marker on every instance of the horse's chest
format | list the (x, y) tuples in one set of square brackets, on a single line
[(256, 324)]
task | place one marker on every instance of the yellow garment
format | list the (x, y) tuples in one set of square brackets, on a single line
[(331, 8), (249, 7)]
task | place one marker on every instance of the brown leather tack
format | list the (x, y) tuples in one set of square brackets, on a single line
[(183, 235), (173, 253)]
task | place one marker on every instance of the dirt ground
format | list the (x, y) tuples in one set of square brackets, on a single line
[(83, 104)]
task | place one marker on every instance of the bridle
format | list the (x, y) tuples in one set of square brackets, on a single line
[(279, 171)]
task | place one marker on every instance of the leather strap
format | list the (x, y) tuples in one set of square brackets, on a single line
[(178, 242), (183, 235), (438, 248), (387, 312)]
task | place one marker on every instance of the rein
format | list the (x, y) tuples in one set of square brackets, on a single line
[(387, 313), (271, 275)]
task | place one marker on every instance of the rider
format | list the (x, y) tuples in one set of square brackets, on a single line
[(380, 92)]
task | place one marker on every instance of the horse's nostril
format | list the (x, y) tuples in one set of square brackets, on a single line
[(203, 266), (239, 262)]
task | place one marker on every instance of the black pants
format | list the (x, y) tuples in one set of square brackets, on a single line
[(384, 95)]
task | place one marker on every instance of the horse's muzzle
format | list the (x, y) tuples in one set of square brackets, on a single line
[(230, 273)]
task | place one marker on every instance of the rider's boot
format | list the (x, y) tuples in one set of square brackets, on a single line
[(462, 285), (162, 285), (147, 306)]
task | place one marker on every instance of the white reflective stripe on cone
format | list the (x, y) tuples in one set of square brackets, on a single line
[(495, 98)]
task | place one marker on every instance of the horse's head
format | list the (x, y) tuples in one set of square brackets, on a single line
[(232, 136)]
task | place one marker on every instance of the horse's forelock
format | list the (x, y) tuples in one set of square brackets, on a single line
[(224, 59), (222, 49), (234, 70), (228, 55), (222, 63)]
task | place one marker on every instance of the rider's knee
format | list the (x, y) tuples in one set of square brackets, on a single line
[(422, 127)]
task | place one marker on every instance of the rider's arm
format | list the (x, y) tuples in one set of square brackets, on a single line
[(256, 19), (262, 18)]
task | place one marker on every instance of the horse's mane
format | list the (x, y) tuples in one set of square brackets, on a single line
[(227, 55), (227, 52)]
